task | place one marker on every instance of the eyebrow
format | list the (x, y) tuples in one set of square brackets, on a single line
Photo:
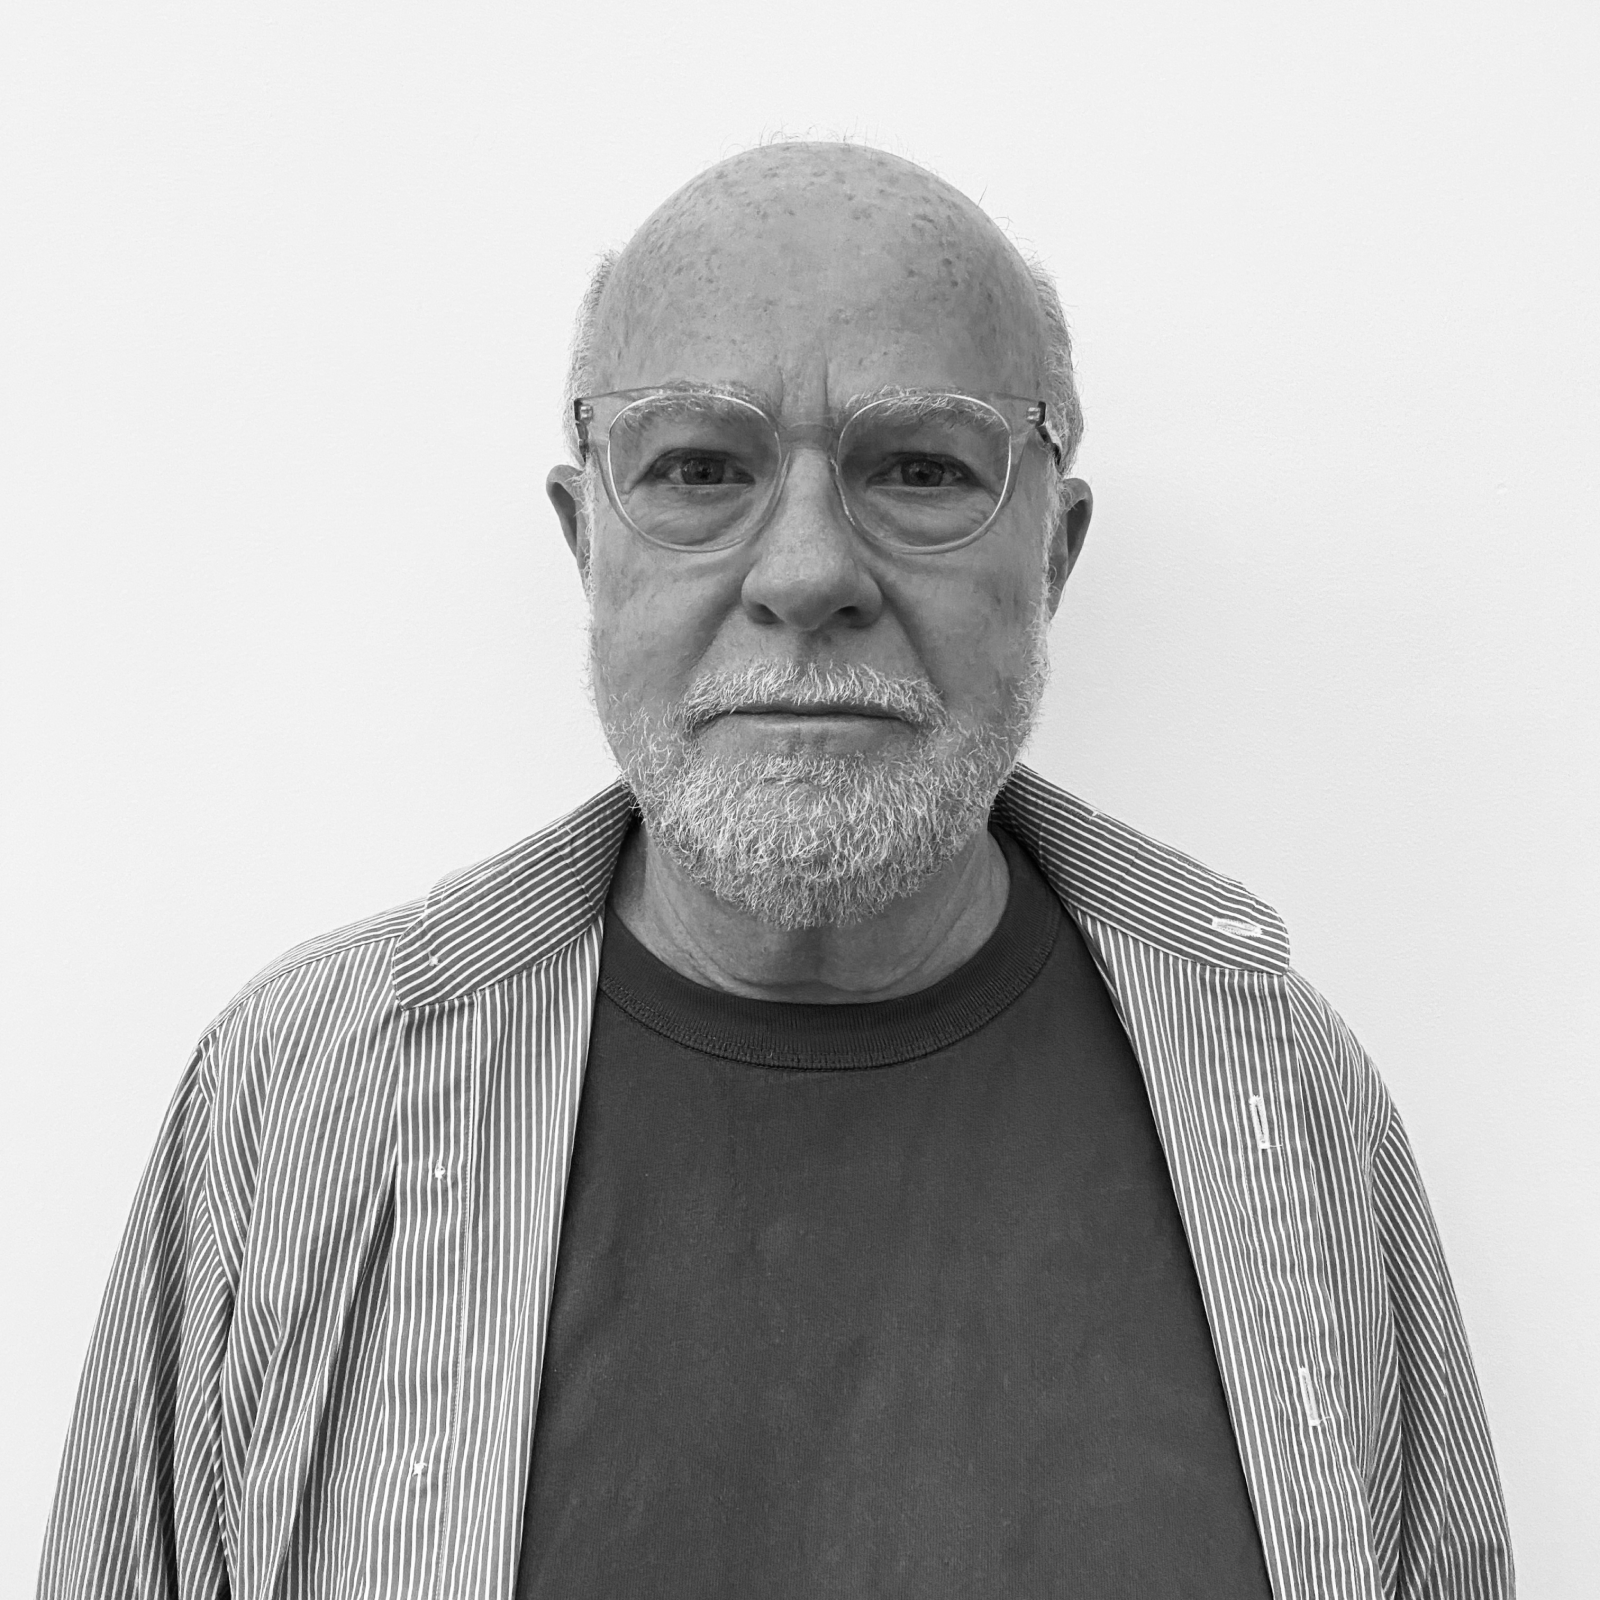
[(740, 391), (913, 403), (908, 405)]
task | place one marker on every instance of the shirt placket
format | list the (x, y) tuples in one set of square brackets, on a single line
[(1216, 1050), (433, 1113), (1266, 1162)]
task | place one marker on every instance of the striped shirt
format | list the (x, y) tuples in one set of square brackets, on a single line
[(317, 1366)]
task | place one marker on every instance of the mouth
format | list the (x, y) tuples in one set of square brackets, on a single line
[(847, 719), (812, 708)]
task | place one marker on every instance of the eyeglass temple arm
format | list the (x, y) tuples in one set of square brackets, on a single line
[(1038, 416), (582, 416)]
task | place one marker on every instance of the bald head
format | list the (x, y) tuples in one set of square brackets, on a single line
[(817, 271)]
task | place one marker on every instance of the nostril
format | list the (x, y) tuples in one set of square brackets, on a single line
[(809, 571)]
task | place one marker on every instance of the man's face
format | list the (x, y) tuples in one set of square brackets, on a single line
[(809, 289)]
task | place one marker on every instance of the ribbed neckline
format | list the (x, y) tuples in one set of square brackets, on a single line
[(880, 1033)]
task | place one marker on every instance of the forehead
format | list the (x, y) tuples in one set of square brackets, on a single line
[(809, 286)]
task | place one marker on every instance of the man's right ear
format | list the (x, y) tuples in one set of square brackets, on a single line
[(565, 488)]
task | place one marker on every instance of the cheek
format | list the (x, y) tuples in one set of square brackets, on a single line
[(975, 632), (651, 619)]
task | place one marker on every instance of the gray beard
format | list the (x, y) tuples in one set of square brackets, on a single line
[(808, 841)]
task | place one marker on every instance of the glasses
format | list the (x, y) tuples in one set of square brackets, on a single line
[(702, 469)]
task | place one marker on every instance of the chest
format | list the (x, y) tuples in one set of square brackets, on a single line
[(928, 1327), (377, 1435)]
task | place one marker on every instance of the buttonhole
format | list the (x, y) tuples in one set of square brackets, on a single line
[(1258, 1115)]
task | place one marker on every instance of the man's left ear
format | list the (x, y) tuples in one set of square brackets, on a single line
[(1066, 538)]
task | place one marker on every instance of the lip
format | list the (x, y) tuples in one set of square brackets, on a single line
[(812, 709)]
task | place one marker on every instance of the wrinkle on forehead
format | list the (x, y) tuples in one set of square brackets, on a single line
[(815, 245)]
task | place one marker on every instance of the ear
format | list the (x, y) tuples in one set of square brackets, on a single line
[(1066, 538), (565, 489)]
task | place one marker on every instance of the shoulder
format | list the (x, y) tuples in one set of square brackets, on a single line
[(1331, 1058), (318, 962), (1155, 914), (302, 1066), (471, 925)]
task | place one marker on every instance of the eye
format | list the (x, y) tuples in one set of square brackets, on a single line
[(923, 472), (698, 470)]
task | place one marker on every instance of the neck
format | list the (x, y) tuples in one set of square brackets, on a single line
[(912, 944)]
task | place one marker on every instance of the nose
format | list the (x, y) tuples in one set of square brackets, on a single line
[(808, 571)]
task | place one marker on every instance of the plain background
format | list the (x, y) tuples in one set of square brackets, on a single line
[(289, 631)]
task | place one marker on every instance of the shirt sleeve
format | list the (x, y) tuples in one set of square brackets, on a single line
[(1454, 1543), (135, 1511)]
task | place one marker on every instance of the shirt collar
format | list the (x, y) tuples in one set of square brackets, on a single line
[(1104, 868), (527, 903)]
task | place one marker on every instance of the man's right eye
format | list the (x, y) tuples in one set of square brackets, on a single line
[(699, 471)]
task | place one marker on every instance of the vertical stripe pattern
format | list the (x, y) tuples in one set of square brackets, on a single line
[(316, 1369)]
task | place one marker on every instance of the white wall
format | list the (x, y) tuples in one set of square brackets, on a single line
[(288, 630)]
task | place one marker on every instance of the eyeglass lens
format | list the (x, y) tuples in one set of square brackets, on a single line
[(699, 471)]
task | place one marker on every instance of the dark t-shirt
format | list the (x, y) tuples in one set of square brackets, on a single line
[(878, 1300)]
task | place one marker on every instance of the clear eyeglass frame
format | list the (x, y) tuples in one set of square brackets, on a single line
[(1023, 418)]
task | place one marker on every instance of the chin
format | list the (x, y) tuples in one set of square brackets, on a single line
[(807, 839)]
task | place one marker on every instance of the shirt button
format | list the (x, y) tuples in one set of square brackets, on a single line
[(418, 1468), (440, 1170)]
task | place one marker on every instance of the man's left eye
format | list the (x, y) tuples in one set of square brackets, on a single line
[(925, 472)]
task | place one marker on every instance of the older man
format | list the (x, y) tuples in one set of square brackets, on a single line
[(832, 1161)]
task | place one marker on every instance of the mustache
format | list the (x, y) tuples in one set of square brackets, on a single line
[(782, 683)]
